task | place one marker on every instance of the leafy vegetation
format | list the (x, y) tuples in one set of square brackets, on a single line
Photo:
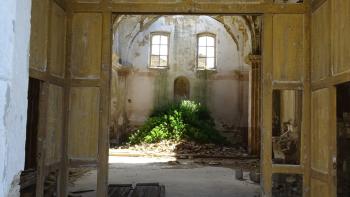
[(184, 120)]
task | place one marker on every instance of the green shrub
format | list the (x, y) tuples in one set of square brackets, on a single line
[(185, 120)]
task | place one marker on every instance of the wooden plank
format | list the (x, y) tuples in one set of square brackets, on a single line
[(306, 107), (321, 45), (64, 168), (290, 169), (86, 45), (84, 122), (287, 85), (103, 138), (57, 59), (288, 47), (43, 104), (266, 130), (254, 139), (43, 76), (54, 124)]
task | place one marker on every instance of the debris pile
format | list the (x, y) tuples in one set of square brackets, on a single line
[(189, 148)]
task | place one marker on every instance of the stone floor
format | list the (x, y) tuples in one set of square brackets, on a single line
[(182, 178)]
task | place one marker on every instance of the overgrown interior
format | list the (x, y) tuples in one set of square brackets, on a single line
[(68, 100)]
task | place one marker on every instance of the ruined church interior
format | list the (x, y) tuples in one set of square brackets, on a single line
[(175, 98)]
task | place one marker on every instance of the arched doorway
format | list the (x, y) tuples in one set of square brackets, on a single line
[(181, 88)]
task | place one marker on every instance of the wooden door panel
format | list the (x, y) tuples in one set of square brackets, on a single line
[(285, 67), (58, 41), (39, 35), (54, 124), (340, 36), (84, 123), (320, 42), (86, 46), (288, 47), (320, 130), (319, 188), (323, 135)]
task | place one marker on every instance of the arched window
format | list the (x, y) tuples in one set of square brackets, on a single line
[(206, 51), (159, 50)]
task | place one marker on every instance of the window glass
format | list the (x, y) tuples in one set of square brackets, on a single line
[(164, 40), (210, 52), (159, 50), (202, 41), (210, 41), (206, 52)]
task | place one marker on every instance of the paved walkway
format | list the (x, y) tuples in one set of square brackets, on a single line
[(184, 179)]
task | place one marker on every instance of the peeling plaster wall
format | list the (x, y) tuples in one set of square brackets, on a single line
[(14, 63), (224, 91)]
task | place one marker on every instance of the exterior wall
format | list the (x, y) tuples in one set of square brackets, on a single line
[(224, 91), (14, 54)]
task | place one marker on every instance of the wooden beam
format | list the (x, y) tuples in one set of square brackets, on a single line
[(44, 76), (106, 70), (331, 81), (254, 139), (42, 124), (332, 177), (287, 85), (305, 149), (290, 169), (266, 131), (194, 8), (64, 170)]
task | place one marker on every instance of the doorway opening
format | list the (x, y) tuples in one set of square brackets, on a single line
[(343, 140), (181, 94), (163, 64), (28, 176)]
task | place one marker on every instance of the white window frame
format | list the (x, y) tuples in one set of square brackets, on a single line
[(206, 34), (166, 34)]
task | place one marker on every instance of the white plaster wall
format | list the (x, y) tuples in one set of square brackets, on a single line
[(14, 63), (227, 95)]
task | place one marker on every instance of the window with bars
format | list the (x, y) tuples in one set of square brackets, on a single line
[(159, 50), (206, 52)]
